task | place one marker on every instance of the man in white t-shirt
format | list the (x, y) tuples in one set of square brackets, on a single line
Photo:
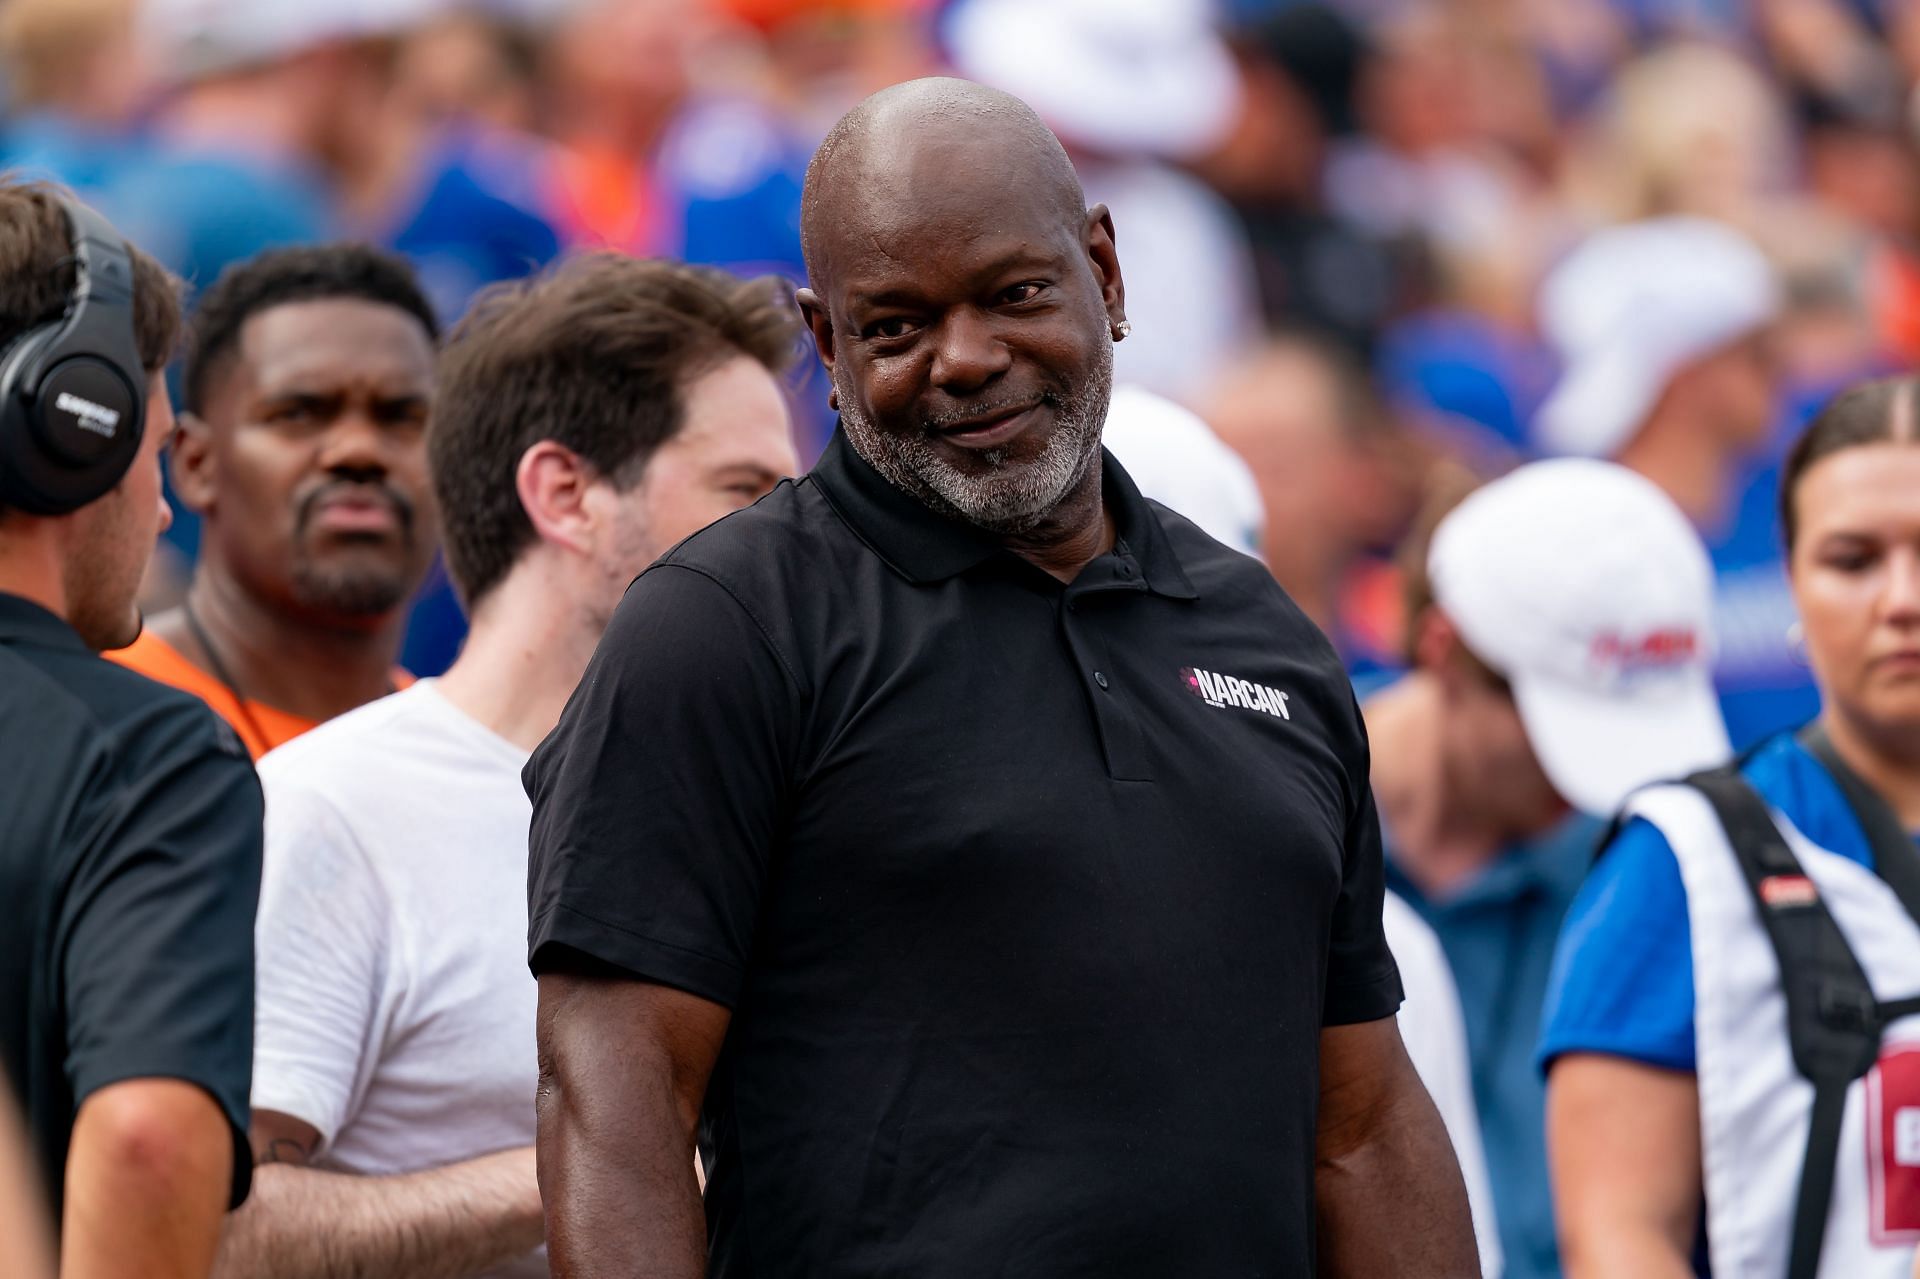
[(587, 421), (1435, 1032)]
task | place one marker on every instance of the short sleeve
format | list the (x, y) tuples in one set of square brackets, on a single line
[(659, 798), (157, 954), (1622, 979), (325, 941), (1362, 982)]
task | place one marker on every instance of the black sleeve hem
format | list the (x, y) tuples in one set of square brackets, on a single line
[(656, 961), (1371, 999)]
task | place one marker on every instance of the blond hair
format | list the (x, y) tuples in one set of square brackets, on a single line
[(47, 45)]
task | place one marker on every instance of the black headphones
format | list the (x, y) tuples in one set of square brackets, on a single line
[(72, 390)]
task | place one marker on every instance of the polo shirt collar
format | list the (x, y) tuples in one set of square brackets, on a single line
[(924, 546), (22, 619)]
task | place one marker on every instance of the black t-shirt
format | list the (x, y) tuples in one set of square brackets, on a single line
[(130, 865), (1030, 901)]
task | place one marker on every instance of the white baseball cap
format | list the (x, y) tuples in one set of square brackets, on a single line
[(1121, 77), (1178, 461), (1632, 306), (199, 38), (1584, 586)]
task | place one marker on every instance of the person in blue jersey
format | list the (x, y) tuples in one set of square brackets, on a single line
[(1667, 334), (1680, 1126), (1559, 633)]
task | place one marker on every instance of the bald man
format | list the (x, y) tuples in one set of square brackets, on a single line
[(974, 856)]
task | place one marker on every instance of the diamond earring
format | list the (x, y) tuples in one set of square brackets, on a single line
[(1121, 330)]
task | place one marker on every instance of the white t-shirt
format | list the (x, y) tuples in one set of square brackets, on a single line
[(1436, 1037), (395, 1012)]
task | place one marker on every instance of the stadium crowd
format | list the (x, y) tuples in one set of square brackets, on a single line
[(1552, 356)]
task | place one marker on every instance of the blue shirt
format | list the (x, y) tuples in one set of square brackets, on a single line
[(195, 208), (1498, 933), (1623, 976), (1763, 687)]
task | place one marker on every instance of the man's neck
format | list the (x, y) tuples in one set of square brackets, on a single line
[(1688, 462), (526, 650), (289, 663), (1889, 764), (1441, 838), (1311, 577), (1079, 530), (30, 567)]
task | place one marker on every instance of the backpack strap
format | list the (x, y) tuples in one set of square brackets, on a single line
[(1833, 1020), (1895, 859)]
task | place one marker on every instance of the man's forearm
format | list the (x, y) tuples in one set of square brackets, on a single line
[(623, 1067), (1392, 1203), (623, 1200), (447, 1223)]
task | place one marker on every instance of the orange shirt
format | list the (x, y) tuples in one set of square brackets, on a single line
[(158, 660)]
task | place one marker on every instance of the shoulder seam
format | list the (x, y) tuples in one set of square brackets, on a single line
[(766, 635)]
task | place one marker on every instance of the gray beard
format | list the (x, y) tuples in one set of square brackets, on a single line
[(1010, 498)]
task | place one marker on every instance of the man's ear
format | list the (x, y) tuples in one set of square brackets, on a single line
[(820, 324), (1106, 263), (1436, 644), (552, 482), (192, 464)]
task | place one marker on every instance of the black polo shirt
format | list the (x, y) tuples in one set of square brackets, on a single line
[(130, 865), (1030, 901)]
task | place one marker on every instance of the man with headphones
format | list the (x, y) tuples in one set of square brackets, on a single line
[(130, 818)]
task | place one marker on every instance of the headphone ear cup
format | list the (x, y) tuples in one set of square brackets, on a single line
[(72, 441), (73, 392), (24, 473)]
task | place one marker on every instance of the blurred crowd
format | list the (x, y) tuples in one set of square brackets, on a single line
[(1337, 219), (1375, 253)]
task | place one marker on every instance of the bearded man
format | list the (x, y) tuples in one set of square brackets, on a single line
[(973, 858), (304, 452)]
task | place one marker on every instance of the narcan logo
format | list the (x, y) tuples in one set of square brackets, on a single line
[(97, 418), (1231, 690)]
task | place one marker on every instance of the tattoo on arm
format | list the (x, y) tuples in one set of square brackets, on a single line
[(284, 1150)]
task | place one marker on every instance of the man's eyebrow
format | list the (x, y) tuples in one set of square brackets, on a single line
[(1025, 258), (297, 395), (750, 470), (857, 297)]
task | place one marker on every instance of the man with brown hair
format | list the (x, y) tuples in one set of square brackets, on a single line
[(1553, 672), (130, 845), (587, 422)]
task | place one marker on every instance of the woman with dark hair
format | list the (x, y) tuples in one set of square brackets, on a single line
[(1734, 1055)]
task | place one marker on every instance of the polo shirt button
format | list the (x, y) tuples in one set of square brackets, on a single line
[(1100, 679)]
